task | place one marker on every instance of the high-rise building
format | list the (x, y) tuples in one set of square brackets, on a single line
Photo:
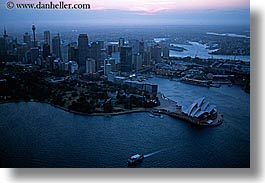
[(165, 52), (117, 57), (34, 55), (73, 51), (21, 51), (96, 48), (27, 39), (47, 37), (46, 51), (126, 59), (90, 66), (112, 48), (135, 44), (112, 63), (147, 58), (56, 46), (3, 51), (141, 47), (64, 51), (121, 42), (156, 54), (82, 51), (3, 46), (107, 69), (138, 62)]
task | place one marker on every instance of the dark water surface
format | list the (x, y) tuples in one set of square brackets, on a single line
[(39, 135)]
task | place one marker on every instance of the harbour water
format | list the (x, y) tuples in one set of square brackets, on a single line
[(39, 135), (195, 49)]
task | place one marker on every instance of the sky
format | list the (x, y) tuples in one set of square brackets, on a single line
[(133, 12)]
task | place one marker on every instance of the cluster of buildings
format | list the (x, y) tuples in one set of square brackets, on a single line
[(82, 56)]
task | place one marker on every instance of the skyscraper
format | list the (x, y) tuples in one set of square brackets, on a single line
[(112, 48), (47, 37), (3, 46), (96, 53), (138, 62), (27, 39), (135, 44), (46, 51), (73, 51), (165, 52), (121, 42), (126, 59), (65, 51), (82, 51), (34, 55), (56, 46), (3, 52), (90, 65), (156, 53)]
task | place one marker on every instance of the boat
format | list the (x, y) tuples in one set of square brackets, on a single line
[(135, 159), (151, 115)]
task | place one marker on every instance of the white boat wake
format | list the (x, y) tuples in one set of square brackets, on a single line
[(153, 153)]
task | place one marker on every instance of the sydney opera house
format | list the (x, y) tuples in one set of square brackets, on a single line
[(201, 110)]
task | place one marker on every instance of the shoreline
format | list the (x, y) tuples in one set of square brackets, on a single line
[(159, 109), (85, 114)]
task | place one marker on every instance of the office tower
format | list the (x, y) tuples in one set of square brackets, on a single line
[(46, 51), (73, 67), (112, 48), (147, 58), (121, 42), (103, 56), (56, 46), (138, 62), (34, 36), (107, 69), (112, 63), (141, 47), (165, 52), (156, 54), (27, 39), (116, 56), (34, 52), (96, 54), (3, 51), (47, 37), (21, 51), (73, 51), (101, 44), (64, 51), (126, 59), (82, 51), (90, 66), (135, 44)]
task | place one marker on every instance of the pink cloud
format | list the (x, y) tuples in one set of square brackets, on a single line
[(152, 6)]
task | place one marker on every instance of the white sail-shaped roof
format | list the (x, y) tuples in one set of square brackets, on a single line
[(200, 107), (210, 108), (195, 111), (205, 105)]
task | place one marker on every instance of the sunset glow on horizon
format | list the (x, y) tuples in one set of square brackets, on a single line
[(155, 5), (138, 12)]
